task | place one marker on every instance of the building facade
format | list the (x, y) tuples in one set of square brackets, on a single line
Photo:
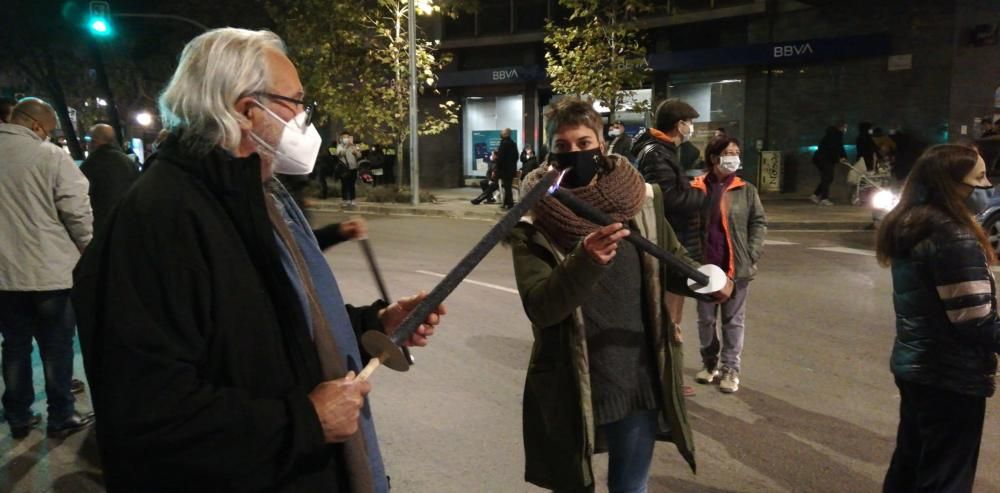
[(774, 73)]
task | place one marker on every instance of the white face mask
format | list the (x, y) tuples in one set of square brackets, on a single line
[(729, 164), (687, 134), (297, 150), (614, 132)]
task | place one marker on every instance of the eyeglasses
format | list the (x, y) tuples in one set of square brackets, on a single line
[(48, 135), (309, 108)]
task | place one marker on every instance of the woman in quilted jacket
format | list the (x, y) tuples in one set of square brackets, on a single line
[(947, 328)]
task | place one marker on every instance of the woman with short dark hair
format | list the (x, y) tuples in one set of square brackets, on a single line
[(947, 328)]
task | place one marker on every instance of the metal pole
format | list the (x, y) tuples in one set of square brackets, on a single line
[(414, 151)]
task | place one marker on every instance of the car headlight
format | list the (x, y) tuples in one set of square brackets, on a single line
[(884, 200)]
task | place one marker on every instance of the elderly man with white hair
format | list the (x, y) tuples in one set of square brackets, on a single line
[(220, 352)]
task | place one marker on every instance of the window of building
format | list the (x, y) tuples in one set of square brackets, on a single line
[(494, 17), (483, 119), (530, 15), (463, 26)]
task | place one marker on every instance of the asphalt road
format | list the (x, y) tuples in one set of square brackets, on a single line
[(816, 411)]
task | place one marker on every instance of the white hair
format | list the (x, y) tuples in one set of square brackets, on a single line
[(215, 70)]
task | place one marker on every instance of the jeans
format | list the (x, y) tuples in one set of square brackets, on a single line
[(734, 313), (826, 172), (347, 185), (630, 451), (46, 316)]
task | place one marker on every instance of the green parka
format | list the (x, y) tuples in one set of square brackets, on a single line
[(558, 421)]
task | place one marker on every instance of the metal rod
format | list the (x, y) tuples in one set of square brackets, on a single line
[(383, 290), (592, 214), (375, 344)]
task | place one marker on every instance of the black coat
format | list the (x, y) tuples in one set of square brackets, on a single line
[(194, 341), (507, 158), (110, 173), (830, 149), (658, 162), (945, 276)]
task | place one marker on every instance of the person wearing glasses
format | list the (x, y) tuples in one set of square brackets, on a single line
[(45, 222), (217, 342)]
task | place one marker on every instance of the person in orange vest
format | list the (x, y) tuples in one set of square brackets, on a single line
[(733, 226)]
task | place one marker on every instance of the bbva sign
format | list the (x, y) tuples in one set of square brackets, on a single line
[(782, 51), (505, 74)]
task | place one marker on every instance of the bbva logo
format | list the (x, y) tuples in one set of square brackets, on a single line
[(505, 74), (792, 50)]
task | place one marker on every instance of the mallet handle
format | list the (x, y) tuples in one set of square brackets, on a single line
[(370, 368)]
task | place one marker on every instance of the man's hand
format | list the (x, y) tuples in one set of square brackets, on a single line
[(338, 404), (722, 295), (392, 315), (353, 229), (602, 245)]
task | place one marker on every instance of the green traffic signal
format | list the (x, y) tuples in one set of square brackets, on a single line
[(99, 26)]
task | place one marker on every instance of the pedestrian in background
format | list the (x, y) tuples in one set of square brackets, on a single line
[(491, 183), (349, 154), (507, 166), (598, 318), (947, 329), (109, 171), (529, 161), (621, 143), (866, 147), (657, 158), (733, 230), (46, 222), (829, 152)]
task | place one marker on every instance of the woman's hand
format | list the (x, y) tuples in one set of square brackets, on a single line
[(602, 245)]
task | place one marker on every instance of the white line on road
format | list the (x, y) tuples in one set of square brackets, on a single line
[(470, 281), (779, 243), (853, 251)]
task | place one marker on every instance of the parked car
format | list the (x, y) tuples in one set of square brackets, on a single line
[(989, 217)]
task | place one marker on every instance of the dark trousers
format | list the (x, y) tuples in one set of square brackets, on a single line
[(347, 185), (508, 193), (47, 317), (825, 180), (323, 171), (937, 445), (488, 187)]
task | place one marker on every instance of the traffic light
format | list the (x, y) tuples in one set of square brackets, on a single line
[(99, 22)]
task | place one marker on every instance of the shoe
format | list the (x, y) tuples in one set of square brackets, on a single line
[(491, 201), (20, 432), (76, 386), (706, 375), (75, 423), (814, 198), (730, 381), (826, 202), (474, 201)]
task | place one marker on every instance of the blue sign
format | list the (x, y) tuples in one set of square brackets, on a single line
[(805, 51)]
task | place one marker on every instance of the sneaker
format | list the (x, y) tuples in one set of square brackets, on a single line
[(730, 381), (825, 202), (706, 375), (76, 386), (814, 198)]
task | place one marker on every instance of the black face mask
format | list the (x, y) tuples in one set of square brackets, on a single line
[(583, 164)]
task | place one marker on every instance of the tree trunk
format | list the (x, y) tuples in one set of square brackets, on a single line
[(399, 164), (62, 110)]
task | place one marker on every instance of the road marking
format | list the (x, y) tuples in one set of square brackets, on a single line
[(470, 281), (853, 251), (779, 243)]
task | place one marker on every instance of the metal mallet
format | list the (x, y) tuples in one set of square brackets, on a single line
[(388, 349)]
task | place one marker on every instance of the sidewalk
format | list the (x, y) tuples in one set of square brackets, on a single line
[(784, 211)]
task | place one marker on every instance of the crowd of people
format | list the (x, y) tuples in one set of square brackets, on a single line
[(221, 353)]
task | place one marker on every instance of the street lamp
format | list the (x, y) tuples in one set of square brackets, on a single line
[(144, 119)]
